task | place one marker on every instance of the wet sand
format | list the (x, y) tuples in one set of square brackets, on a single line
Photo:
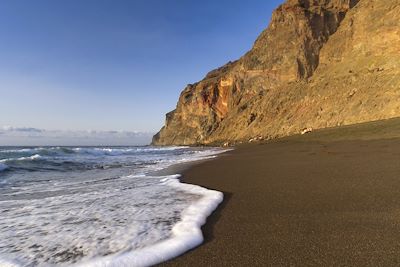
[(316, 200)]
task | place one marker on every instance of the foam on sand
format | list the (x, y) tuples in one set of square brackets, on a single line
[(186, 234)]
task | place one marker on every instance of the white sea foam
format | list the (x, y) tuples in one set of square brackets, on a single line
[(33, 157), (8, 263), (123, 151), (70, 218), (60, 226), (186, 234)]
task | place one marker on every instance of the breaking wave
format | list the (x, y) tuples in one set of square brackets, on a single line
[(63, 206)]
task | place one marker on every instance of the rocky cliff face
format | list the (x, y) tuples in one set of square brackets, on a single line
[(320, 63)]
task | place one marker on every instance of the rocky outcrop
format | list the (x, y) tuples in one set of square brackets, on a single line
[(320, 63)]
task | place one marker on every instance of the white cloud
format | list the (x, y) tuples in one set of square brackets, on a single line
[(21, 129), (10, 135)]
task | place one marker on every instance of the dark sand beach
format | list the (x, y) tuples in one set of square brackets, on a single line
[(330, 198)]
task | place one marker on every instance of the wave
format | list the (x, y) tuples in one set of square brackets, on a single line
[(123, 151), (95, 151), (88, 158), (33, 157), (154, 218), (3, 167), (186, 234)]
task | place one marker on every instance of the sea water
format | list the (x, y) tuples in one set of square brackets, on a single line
[(98, 206)]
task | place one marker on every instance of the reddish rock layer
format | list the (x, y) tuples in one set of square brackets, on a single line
[(320, 63)]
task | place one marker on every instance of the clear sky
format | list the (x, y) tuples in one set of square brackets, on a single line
[(104, 65)]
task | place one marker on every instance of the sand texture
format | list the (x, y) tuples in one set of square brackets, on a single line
[(315, 200)]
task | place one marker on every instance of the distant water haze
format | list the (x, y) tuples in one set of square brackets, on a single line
[(28, 136)]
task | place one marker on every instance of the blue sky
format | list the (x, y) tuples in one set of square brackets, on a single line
[(106, 65)]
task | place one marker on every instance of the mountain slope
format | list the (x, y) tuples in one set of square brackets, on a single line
[(318, 64)]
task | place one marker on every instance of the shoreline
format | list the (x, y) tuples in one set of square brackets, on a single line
[(319, 199), (181, 167), (185, 221)]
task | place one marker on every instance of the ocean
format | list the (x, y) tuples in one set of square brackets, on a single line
[(99, 206)]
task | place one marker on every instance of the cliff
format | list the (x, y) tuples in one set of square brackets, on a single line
[(320, 63)]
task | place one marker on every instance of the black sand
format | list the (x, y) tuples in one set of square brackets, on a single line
[(317, 200)]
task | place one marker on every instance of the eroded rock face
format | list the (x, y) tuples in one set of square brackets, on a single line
[(320, 63)]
